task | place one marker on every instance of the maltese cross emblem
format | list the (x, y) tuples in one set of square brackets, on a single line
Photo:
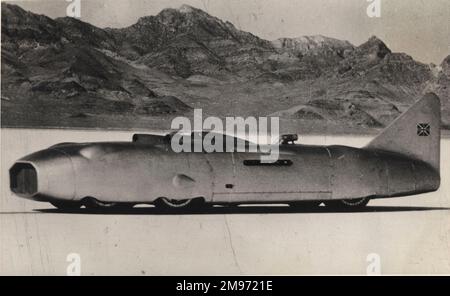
[(423, 129)]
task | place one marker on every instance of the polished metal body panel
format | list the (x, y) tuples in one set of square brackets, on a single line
[(133, 172)]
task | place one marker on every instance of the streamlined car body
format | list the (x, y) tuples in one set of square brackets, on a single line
[(402, 160)]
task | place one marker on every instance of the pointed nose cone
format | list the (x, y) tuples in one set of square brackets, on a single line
[(426, 177)]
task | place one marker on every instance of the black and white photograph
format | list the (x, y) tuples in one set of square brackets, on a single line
[(225, 138)]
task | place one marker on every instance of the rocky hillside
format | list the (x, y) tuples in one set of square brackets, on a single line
[(65, 72), (187, 40)]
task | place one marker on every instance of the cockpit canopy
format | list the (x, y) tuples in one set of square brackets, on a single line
[(220, 142), (201, 138)]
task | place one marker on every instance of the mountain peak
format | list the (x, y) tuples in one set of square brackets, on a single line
[(375, 46), (186, 9), (374, 38), (183, 14)]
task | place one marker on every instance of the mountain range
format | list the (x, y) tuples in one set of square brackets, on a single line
[(67, 73)]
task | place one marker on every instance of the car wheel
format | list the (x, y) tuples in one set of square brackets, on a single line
[(348, 203), (166, 203), (66, 205)]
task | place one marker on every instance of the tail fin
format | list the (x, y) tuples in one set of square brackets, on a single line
[(416, 133)]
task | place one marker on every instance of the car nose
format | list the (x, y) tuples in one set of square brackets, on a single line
[(43, 175), (23, 179)]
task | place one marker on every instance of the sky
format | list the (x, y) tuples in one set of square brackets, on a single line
[(420, 28)]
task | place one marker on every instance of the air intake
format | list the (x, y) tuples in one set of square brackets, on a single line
[(23, 179)]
